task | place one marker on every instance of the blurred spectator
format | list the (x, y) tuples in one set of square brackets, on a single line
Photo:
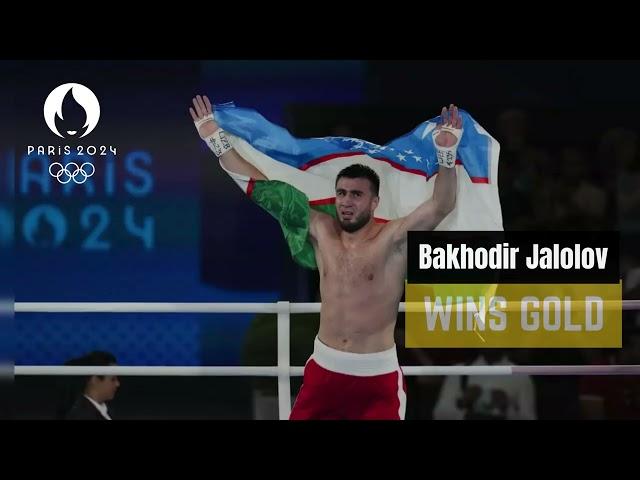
[(512, 130), (613, 397), (630, 266), (485, 397), (521, 167), (261, 349), (512, 138), (557, 396), (87, 397), (587, 201), (619, 147)]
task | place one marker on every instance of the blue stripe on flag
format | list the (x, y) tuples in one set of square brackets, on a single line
[(410, 152)]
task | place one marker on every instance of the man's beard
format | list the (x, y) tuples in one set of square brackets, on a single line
[(356, 225)]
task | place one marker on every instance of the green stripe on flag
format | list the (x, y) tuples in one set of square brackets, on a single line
[(290, 207)]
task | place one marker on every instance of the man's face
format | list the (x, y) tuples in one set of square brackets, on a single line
[(106, 387), (355, 203)]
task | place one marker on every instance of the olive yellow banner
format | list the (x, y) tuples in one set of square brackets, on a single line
[(514, 316)]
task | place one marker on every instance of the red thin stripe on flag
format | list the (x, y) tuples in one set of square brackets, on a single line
[(323, 201), (479, 180), (252, 183), (397, 166), (326, 158)]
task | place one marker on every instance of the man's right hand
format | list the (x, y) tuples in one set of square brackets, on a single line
[(202, 109), (202, 115)]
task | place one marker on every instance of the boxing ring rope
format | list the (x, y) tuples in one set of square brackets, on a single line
[(203, 307), (283, 370)]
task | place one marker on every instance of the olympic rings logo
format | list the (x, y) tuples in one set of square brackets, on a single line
[(65, 175)]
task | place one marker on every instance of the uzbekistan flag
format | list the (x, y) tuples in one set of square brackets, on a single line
[(301, 174)]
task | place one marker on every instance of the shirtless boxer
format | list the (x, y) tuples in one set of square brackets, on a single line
[(354, 372)]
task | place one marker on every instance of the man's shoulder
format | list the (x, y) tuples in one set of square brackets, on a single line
[(392, 233), (82, 409), (323, 223), (391, 226)]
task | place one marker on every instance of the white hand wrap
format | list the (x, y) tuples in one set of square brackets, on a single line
[(204, 119), (447, 155), (218, 142)]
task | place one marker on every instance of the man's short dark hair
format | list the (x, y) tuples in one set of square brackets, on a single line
[(93, 359), (357, 170), (73, 386)]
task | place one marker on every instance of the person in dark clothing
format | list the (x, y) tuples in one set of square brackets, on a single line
[(87, 397)]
